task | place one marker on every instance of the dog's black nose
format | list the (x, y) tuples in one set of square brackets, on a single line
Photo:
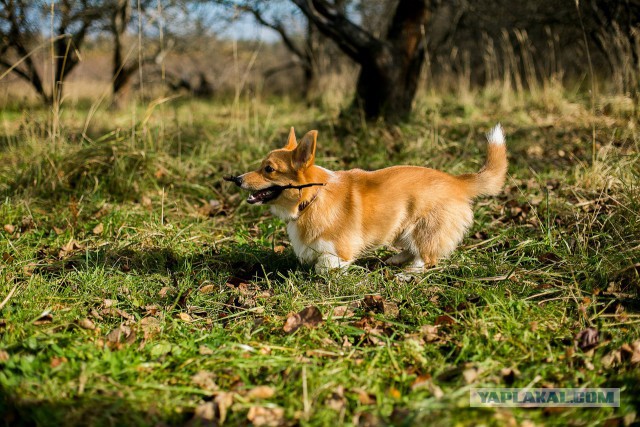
[(237, 180)]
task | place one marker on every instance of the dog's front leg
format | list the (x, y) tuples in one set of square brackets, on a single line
[(328, 261)]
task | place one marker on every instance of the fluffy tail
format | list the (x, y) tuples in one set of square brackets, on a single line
[(490, 179)]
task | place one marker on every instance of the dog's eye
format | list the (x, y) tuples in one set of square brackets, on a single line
[(269, 169)]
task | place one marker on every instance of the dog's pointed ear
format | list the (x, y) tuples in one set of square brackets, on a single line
[(305, 152), (291, 141)]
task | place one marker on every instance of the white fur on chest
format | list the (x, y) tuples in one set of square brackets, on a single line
[(307, 252)]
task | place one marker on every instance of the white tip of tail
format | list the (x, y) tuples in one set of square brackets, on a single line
[(496, 135)]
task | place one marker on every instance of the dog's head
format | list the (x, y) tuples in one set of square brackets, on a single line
[(285, 167)]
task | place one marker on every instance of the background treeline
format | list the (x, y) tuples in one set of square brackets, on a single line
[(383, 51)]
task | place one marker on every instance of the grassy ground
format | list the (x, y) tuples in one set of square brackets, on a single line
[(141, 290)]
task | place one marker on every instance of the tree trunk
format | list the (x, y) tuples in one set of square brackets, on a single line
[(390, 66), (309, 64), (389, 79), (387, 85), (121, 74)]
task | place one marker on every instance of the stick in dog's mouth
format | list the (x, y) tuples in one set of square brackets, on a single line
[(271, 193)]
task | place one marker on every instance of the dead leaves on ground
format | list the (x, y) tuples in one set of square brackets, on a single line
[(120, 336), (309, 317), (266, 416), (27, 223), (69, 249), (587, 339), (627, 353), (86, 323), (205, 380), (244, 296), (217, 409), (98, 229), (212, 208), (374, 329)]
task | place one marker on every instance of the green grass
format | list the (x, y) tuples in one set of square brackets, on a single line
[(202, 286)]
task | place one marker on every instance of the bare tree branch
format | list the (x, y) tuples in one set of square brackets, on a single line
[(351, 38)]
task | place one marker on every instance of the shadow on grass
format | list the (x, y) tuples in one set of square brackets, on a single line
[(84, 410), (243, 261)]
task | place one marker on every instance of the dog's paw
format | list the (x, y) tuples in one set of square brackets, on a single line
[(415, 266), (330, 262), (403, 277)]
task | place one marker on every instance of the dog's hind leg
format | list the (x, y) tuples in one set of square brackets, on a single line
[(400, 258), (437, 235)]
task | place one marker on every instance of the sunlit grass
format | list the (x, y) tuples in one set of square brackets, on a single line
[(130, 221)]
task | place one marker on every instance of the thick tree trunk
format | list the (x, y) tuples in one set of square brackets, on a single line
[(387, 86), (121, 74), (390, 67), (313, 47), (388, 81)]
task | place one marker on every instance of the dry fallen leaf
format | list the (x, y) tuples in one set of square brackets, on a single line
[(151, 310), (470, 375), (205, 351), (212, 208), (635, 357), (185, 317), (164, 291), (124, 314), (9, 228), (204, 412), (27, 223), (365, 398), (374, 303), (69, 248), (223, 401), (587, 339), (632, 352), (86, 324), (146, 202), (279, 249), (611, 359), (4, 356), (205, 380), (310, 317), (98, 229), (429, 333), (261, 416), (342, 311), (57, 361), (150, 326), (261, 392), (336, 400), (445, 319), (207, 289), (121, 335)]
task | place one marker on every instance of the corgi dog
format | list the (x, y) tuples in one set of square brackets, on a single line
[(333, 217)]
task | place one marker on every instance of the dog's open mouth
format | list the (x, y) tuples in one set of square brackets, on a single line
[(264, 196)]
